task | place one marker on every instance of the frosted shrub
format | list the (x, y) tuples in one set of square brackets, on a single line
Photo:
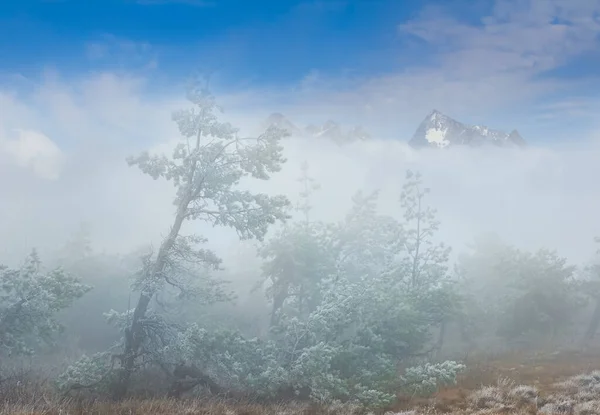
[(587, 408), (564, 406), (89, 372), (235, 362), (341, 352), (487, 397), (584, 387), (587, 380), (426, 379), (523, 393)]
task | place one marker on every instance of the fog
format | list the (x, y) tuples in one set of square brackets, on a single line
[(63, 148), (359, 300), (124, 294)]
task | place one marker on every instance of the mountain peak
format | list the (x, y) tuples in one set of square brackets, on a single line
[(440, 131), (279, 120), (329, 129), (516, 138)]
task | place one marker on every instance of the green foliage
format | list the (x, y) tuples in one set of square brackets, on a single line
[(88, 372), (367, 321), (297, 258), (351, 301), (345, 318), (546, 298), (30, 298), (206, 169), (208, 163), (342, 352), (367, 243), (520, 295)]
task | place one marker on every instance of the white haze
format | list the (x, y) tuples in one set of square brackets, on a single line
[(62, 162)]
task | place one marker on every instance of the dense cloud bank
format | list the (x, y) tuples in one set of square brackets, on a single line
[(63, 150)]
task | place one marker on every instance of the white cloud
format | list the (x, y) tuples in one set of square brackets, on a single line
[(477, 72), (519, 37), (35, 151), (536, 197)]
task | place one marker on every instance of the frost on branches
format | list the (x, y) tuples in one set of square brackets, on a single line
[(344, 318), (297, 258), (206, 168), (351, 302), (348, 349), (30, 297)]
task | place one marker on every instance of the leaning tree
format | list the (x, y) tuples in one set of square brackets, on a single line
[(206, 168)]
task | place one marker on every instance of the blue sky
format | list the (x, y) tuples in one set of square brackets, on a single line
[(506, 63), (269, 41)]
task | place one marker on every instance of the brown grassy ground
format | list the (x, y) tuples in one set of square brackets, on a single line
[(543, 371), (508, 384)]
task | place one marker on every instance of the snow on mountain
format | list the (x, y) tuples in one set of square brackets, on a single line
[(329, 130), (440, 131), (437, 130)]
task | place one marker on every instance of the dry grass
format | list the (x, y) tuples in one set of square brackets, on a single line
[(543, 383), (559, 383), (164, 407)]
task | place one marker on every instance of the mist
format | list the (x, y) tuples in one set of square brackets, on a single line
[(539, 196), (337, 303)]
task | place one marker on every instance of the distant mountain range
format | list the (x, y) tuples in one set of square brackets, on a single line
[(329, 130), (440, 131), (435, 131)]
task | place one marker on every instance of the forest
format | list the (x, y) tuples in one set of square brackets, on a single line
[(364, 314)]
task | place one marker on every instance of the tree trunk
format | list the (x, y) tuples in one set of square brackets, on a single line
[(441, 338), (188, 377), (279, 296), (134, 336)]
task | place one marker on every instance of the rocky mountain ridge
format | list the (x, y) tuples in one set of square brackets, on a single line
[(438, 130)]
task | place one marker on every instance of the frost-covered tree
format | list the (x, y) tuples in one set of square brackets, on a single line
[(367, 243), (519, 295), (298, 257), (547, 296), (425, 262), (350, 344), (347, 349), (30, 298), (483, 292), (345, 326), (206, 168), (421, 266)]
